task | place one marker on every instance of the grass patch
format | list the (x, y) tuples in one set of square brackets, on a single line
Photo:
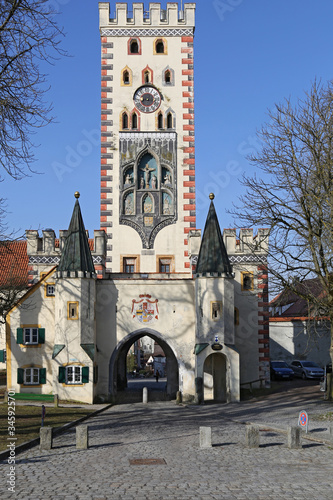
[(28, 421), (327, 417)]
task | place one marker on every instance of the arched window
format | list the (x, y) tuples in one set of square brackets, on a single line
[(147, 77), (160, 121), (159, 47), (169, 120), (134, 46), (134, 121), (124, 121), (167, 76), (126, 77)]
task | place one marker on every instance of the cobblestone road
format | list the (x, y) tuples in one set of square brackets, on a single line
[(226, 471)]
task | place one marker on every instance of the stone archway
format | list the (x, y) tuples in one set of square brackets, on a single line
[(215, 378), (117, 366)]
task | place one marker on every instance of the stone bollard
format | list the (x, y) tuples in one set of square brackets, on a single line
[(46, 438), (82, 437), (331, 431), (205, 437), (294, 438), (179, 397), (56, 400), (145, 395), (252, 436)]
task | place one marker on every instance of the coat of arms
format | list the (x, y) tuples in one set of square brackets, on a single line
[(145, 309)]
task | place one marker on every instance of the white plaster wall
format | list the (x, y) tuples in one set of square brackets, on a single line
[(292, 340), (176, 321)]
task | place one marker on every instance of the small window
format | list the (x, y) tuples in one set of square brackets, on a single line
[(134, 121), (124, 121), (126, 77), (167, 76), (165, 265), (134, 46), (169, 121), (73, 310), (50, 290), (129, 265), (73, 374), (247, 281), (160, 121), (159, 47), (30, 335), (31, 376), (147, 77), (236, 316), (216, 310)]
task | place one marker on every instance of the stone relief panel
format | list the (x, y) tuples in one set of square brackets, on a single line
[(148, 190)]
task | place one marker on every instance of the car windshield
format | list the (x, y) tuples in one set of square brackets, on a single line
[(310, 364), (279, 364)]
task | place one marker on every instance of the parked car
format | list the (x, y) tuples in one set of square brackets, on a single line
[(306, 369), (280, 370)]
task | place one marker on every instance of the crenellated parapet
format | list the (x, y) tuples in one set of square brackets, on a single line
[(44, 251), (138, 17), (246, 247)]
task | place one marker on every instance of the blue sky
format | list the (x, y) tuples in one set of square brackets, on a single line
[(249, 54)]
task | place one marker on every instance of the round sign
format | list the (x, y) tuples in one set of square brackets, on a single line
[(303, 418)]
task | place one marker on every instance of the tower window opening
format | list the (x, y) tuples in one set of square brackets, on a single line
[(134, 47), (134, 121), (159, 47), (167, 76), (160, 121), (126, 78), (124, 121), (147, 77), (169, 120)]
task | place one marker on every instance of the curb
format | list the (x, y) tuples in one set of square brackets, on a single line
[(57, 431)]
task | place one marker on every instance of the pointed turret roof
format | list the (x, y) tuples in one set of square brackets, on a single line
[(76, 255), (213, 257)]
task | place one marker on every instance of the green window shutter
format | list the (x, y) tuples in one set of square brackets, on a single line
[(2, 356), (62, 374), (85, 374), (19, 338), (42, 376), (20, 376), (41, 335)]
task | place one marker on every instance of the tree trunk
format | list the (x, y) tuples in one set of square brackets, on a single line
[(329, 377)]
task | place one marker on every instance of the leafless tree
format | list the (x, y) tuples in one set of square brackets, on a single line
[(293, 197), (29, 35)]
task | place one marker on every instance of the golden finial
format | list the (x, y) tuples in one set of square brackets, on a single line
[(211, 196), (77, 195)]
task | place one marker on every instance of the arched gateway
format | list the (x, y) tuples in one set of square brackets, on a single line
[(117, 367)]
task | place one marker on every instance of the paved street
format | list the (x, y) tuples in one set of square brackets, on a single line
[(162, 430)]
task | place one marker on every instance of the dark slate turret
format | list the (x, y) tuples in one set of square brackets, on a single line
[(213, 257), (76, 255)]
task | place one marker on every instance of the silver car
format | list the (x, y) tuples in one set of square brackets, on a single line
[(306, 369)]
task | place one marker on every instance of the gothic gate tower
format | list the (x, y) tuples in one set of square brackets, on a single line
[(147, 139)]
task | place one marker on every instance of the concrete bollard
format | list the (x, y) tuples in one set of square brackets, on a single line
[(179, 397), (294, 438), (205, 437), (56, 400), (5, 397), (330, 430), (82, 437), (145, 395), (252, 438), (46, 438)]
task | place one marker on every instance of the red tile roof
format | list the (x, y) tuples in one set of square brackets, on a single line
[(13, 263), (298, 306)]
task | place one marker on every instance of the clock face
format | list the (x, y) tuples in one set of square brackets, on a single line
[(147, 99)]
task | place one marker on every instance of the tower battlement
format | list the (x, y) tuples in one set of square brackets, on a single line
[(246, 242), (154, 17)]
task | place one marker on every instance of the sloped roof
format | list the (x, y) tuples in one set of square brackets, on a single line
[(213, 257), (297, 305), (13, 264), (76, 255)]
